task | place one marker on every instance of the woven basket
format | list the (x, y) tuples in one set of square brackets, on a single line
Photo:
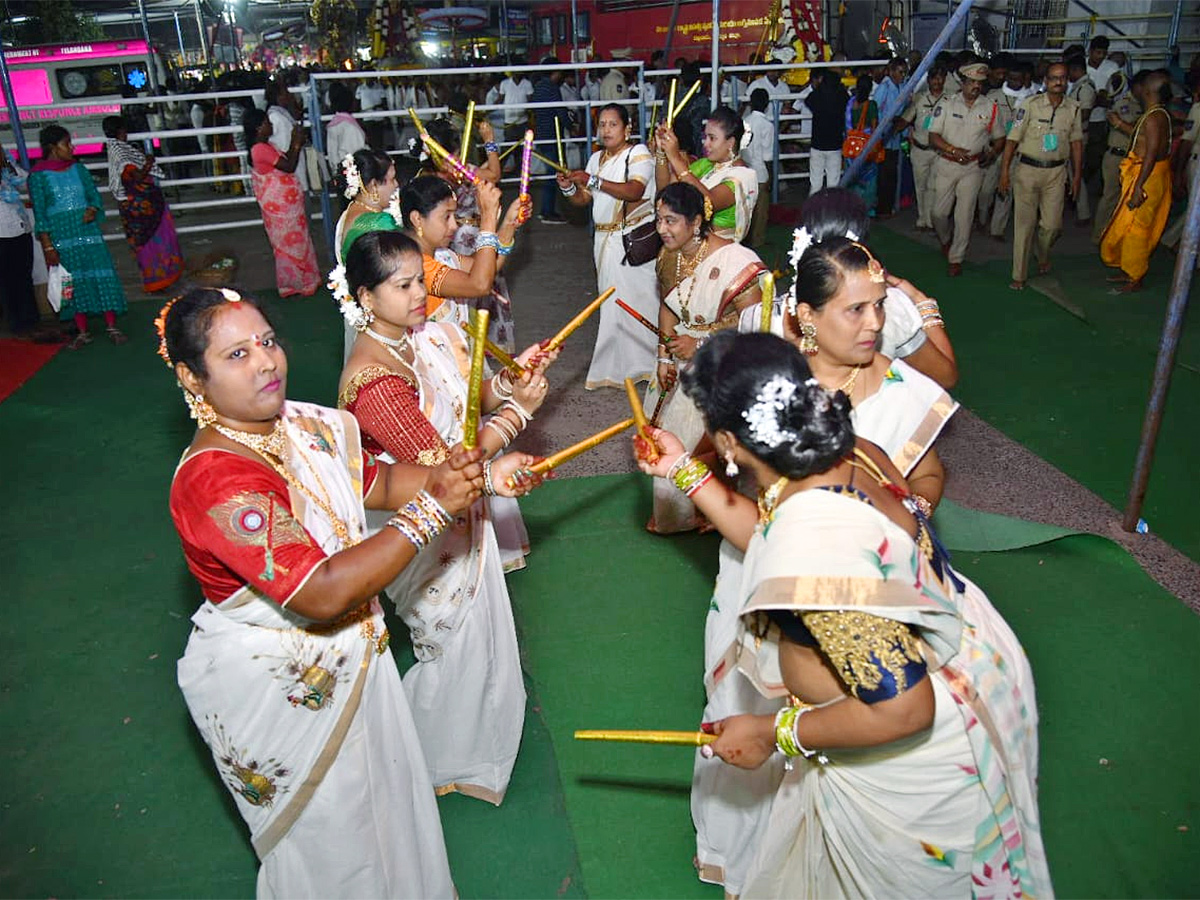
[(215, 270)]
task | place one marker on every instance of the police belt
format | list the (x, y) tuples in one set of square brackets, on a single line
[(1042, 163), (1117, 151), (961, 162), (918, 144)]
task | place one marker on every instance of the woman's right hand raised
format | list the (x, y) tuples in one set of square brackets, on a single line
[(458, 482), (489, 198)]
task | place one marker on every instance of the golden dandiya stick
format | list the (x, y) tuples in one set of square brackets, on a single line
[(653, 118), (417, 120), (684, 102), (551, 163), (465, 147), (768, 300), (639, 419), (662, 336), (504, 359), (670, 102), (478, 331), (562, 163), (510, 149), (566, 330), (678, 738), (557, 459)]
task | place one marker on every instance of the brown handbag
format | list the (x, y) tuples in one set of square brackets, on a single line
[(856, 140), (642, 243)]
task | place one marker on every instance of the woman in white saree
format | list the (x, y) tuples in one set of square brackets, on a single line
[(406, 385), (286, 673), (705, 281), (910, 731), (619, 184), (895, 407), (730, 185)]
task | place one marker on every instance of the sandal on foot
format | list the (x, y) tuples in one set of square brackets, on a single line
[(116, 335), (80, 340)]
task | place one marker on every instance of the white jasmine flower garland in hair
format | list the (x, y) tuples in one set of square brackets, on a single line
[(393, 208), (412, 145), (763, 414), (801, 241), (357, 317), (353, 178)]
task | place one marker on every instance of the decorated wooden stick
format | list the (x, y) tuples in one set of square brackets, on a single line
[(475, 381), (551, 163), (509, 150), (662, 336), (504, 359), (465, 147), (678, 738), (653, 119), (684, 102), (566, 330), (439, 152), (526, 157), (768, 300), (658, 407), (670, 102), (648, 449), (557, 459), (417, 121), (562, 162)]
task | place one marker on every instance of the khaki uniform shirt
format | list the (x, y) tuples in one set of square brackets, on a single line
[(970, 127), (1128, 108), (1044, 132), (1083, 92), (1006, 106), (920, 113)]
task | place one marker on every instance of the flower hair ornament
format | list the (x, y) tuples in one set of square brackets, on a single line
[(352, 175), (356, 317), (708, 209), (763, 414), (802, 240), (160, 326), (412, 145), (393, 208)]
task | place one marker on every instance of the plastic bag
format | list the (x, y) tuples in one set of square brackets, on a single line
[(59, 288)]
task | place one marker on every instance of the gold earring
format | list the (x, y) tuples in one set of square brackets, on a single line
[(199, 409), (731, 467), (808, 339), (420, 231)]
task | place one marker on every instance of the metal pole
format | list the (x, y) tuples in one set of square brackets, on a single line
[(179, 35), (896, 106), (1185, 265), (318, 140), (671, 33), (574, 29), (1173, 33), (14, 114), (204, 42), (777, 163), (149, 47), (716, 55)]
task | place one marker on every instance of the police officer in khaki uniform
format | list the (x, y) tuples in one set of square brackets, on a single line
[(1006, 106), (1082, 91), (1122, 115), (967, 133), (1046, 132), (919, 116)]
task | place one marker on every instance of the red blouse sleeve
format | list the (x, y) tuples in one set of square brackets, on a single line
[(263, 157), (388, 411), (235, 521)]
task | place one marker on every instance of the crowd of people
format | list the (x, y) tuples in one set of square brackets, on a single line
[(871, 719)]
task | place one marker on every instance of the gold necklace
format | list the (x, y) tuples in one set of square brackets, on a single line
[(847, 386), (768, 500), (366, 205), (686, 299), (273, 448)]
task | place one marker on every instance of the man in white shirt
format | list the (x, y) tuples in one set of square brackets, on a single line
[(613, 86), (769, 82), (515, 92), (369, 94), (1100, 70), (758, 152)]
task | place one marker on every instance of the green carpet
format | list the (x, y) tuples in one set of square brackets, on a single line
[(971, 530), (613, 629), (1073, 391)]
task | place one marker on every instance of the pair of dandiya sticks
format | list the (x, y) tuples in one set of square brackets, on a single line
[(480, 344), (767, 307)]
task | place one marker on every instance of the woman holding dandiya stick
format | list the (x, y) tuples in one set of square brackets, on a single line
[(720, 175), (835, 315), (286, 672), (618, 183), (456, 281), (406, 383), (911, 731), (469, 218), (705, 281)]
